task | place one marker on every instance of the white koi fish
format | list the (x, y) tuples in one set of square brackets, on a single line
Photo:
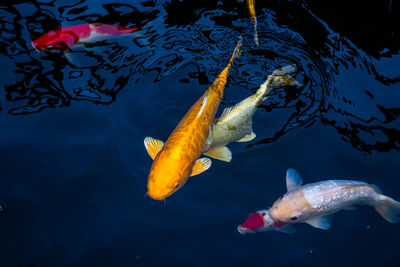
[(313, 203), (235, 123)]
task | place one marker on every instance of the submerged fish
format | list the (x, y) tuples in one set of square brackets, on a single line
[(62, 39), (178, 159), (251, 6), (315, 203), (235, 123), (312, 203)]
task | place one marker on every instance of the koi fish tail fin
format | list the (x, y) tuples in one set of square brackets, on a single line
[(252, 12), (389, 209), (280, 77), (257, 43), (238, 50), (73, 58), (138, 28)]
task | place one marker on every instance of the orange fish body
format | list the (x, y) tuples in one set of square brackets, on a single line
[(177, 159)]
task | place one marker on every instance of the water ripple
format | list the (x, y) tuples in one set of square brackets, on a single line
[(343, 86)]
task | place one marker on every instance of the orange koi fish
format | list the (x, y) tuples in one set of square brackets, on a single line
[(251, 6), (61, 39), (178, 159)]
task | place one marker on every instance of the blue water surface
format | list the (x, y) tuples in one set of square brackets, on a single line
[(74, 167)]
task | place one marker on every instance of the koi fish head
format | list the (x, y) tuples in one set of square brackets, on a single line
[(290, 208), (54, 41), (160, 191), (163, 181), (63, 38)]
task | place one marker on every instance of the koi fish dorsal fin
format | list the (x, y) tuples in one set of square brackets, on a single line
[(221, 153), (248, 137), (231, 111), (323, 223), (293, 179), (200, 166), (153, 146)]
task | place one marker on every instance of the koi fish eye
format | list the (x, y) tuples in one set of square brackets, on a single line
[(282, 197), (294, 218)]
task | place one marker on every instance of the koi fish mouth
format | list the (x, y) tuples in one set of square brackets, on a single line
[(33, 43), (156, 196), (241, 230), (253, 223)]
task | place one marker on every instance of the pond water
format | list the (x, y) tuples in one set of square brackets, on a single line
[(74, 168)]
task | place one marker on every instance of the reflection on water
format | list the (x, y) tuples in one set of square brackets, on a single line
[(349, 83)]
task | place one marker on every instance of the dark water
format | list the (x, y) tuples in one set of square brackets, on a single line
[(73, 164)]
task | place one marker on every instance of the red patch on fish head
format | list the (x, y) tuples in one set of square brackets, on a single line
[(51, 41), (61, 39), (254, 221)]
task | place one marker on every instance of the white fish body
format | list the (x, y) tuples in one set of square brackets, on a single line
[(235, 123), (312, 203)]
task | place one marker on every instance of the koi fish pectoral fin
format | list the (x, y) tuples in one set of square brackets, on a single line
[(287, 229), (200, 166), (221, 153), (232, 111), (323, 223), (248, 137), (153, 146)]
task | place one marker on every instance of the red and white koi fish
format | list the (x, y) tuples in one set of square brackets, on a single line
[(178, 159), (260, 221), (313, 203), (62, 39)]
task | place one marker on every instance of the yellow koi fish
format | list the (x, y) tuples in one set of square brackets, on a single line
[(251, 6), (178, 159), (235, 123)]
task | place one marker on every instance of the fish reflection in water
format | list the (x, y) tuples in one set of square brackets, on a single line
[(178, 159), (235, 123)]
